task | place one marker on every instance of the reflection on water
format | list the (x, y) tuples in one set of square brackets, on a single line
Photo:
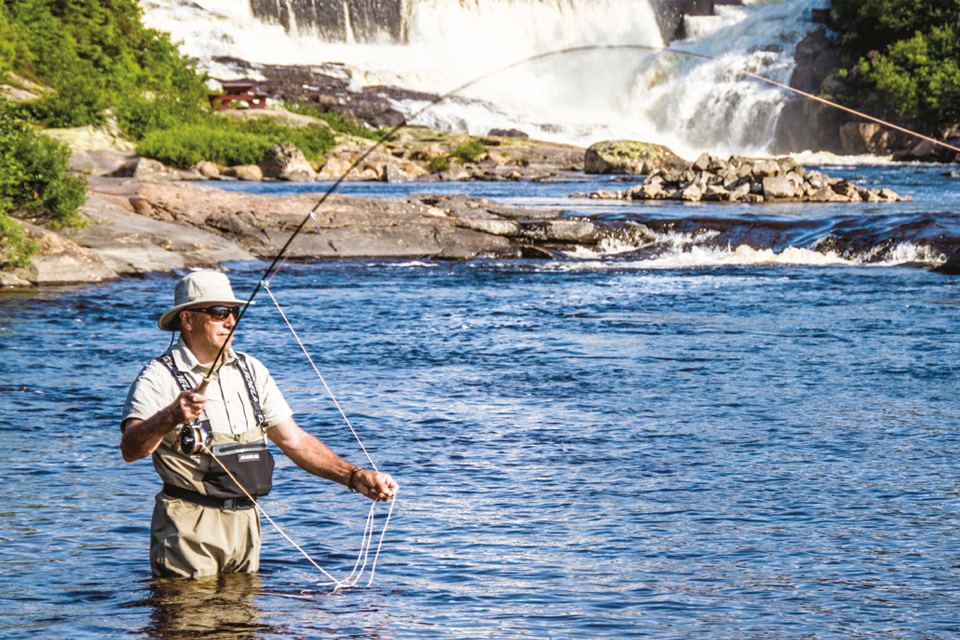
[(217, 608)]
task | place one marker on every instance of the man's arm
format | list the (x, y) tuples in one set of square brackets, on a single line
[(142, 437), (311, 455)]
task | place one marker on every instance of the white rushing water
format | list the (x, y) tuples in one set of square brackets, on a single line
[(687, 104)]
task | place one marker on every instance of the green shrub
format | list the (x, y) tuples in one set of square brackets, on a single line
[(920, 76), (184, 146), (35, 184), (35, 176), (440, 163), (312, 140), (15, 248), (470, 151), (230, 142)]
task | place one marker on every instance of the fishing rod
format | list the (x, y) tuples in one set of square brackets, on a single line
[(391, 133)]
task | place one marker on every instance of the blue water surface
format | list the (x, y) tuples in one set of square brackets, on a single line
[(586, 450)]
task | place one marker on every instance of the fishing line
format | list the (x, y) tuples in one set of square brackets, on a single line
[(369, 528), (281, 257)]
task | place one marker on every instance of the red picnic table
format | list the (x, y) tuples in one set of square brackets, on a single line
[(240, 92)]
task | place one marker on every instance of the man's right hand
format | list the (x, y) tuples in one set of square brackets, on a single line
[(187, 407), (142, 437)]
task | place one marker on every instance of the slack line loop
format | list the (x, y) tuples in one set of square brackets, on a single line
[(354, 577)]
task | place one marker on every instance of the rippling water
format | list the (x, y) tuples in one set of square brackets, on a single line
[(586, 449)]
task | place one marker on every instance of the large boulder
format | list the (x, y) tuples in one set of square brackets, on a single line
[(285, 161), (629, 157)]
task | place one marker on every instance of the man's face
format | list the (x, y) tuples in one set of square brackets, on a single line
[(208, 326)]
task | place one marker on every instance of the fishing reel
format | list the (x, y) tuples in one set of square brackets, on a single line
[(194, 437)]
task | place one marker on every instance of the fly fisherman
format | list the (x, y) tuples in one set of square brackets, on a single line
[(203, 523)]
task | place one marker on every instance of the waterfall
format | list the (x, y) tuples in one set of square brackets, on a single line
[(435, 45)]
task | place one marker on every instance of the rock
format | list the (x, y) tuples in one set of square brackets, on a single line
[(207, 169), (607, 195), (245, 172), (279, 115), (628, 157), (393, 173), (146, 169), (816, 56), (715, 193), (856, 138), (132, 244), (690, 193), (777, 187), (105, 137), (285, 161), (507, 133), (765, 168), (59, 261), (740, 191), (100, 162), (826, 194)]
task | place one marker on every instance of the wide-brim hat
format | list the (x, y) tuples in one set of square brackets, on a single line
[(198, 287)]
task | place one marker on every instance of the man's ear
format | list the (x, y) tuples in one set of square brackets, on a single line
[(186, 322)]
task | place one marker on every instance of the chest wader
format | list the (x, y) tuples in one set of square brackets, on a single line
[(201, 479)]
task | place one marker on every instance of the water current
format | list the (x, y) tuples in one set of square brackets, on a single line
[(613, 446)]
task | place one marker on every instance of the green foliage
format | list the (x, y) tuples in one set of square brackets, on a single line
[(440, 163), (921, 76), (917, 45), (470, 151), (97, 54), (229, 142), (312, 140), (35, 184), (883, 22), (15, 248), (337, 123), (184, 146)]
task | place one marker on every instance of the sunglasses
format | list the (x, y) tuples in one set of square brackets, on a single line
[(219, 313)]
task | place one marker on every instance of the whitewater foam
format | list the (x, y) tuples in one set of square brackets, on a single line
[(689, 105)]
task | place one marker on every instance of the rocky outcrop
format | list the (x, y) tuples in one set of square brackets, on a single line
[(747, 180), (629, 157)]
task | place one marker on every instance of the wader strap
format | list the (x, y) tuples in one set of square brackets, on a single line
[(167, 361), (251, 390)]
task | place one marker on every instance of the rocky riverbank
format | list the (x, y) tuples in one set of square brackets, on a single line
[(137, 227)]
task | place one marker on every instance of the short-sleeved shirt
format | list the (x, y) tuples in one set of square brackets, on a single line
[(228, 403)]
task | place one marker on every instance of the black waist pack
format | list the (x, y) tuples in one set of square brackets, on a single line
[(251, 464)]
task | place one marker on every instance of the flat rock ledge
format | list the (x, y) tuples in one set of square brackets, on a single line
[(137, 227), (746, 180)]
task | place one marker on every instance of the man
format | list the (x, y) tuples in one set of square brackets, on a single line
[(203, 522)]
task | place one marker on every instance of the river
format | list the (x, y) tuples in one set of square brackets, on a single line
[(658, 441)]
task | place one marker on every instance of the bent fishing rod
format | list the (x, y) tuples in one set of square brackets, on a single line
[(277, 261)]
